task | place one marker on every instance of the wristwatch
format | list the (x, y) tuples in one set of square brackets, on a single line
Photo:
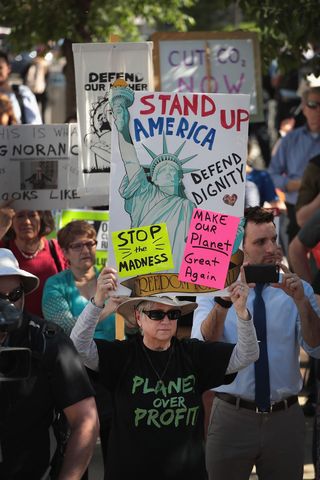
[(223, 303), (94, 303)]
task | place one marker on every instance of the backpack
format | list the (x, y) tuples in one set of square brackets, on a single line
[(19, 97), (40, 333)]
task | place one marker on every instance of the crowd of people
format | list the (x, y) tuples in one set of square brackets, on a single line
[(144, 395)]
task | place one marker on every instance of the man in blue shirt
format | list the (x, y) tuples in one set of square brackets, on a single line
[(240, 434), (293, 154)]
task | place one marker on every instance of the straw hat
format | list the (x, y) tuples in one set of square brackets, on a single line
[(127, 308)]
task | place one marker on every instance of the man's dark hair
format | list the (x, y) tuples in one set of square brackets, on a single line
[(4, 56), (257, 215)]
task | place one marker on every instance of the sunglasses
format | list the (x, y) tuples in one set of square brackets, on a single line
[(14, 295), (160, 314), (77, 247), (312, 104)]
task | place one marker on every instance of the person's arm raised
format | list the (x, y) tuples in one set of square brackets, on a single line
[(246, 350), (83, 331), (6, 215)]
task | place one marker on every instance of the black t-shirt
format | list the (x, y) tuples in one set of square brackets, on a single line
[(157, 429), (58, 380)]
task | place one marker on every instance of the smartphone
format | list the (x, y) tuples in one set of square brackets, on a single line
[(262, 273)]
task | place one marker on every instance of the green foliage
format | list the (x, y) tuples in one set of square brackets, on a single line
[(287, 29), (38, 21)]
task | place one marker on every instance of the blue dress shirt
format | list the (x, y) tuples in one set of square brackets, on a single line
[(291, 158), (283, 339)]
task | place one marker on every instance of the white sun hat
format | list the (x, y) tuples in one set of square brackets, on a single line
[(9, 266)]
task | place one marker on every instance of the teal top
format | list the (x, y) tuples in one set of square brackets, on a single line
[(62, 304)]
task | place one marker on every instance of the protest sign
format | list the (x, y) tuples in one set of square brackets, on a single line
[(40, 168), (97, 66), (142, 250), (209, 247), (99, 219), (172, 153), (214, 62)]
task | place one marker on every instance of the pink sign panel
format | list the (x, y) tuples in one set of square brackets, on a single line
[(209, 247)]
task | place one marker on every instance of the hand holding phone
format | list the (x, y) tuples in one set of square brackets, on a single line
[(264, 273)]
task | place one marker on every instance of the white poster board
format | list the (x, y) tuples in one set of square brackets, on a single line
[(40, 168), (172, 153), (97, 66)]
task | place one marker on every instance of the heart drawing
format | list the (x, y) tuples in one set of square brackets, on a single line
[(230, 199)]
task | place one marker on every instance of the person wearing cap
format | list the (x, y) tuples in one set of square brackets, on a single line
[(57, 381), (157, 380)]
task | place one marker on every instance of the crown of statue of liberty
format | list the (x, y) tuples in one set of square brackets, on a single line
[(165, 156)]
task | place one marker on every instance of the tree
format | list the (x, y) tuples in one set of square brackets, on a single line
[(286, 28), (36, 22)]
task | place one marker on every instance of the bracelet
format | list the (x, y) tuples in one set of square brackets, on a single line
[(223, 303), (94, 303)]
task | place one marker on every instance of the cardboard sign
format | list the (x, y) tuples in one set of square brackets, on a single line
[(213, 62), (142, 250), (40, 168), (209, 247)]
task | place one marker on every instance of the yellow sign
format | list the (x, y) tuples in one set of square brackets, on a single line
[(142, 250)]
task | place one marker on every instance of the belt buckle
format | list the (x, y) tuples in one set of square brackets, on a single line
[(264, 411)]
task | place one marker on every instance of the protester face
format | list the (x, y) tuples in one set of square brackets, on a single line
[(81, 252), (11, 286), (26, 224), (156, 331), (260, 243), (311, 111)]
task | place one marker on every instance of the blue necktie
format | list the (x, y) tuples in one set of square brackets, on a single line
[(262, 395)]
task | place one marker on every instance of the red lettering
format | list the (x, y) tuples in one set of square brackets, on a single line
[(242, 116), (163, 99), (175, 105), (205, 100), (144, 101), (190, 105)]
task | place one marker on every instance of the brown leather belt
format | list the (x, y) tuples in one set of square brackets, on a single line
[(240, 403)]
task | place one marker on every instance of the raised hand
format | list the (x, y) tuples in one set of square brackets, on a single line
[(291, 284), (239, 292), (6, 215)]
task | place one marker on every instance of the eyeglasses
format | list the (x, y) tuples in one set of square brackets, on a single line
[(77, 247), (312, 104), (160, 314), (14, 295)]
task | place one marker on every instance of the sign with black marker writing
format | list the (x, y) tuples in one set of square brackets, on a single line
[(209, 247), (142, 250)]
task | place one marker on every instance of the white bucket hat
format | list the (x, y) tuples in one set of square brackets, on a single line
[(9, 266), (127, 308)]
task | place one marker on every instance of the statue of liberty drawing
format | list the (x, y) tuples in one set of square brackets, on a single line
[(154, 193), (161, 199)]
